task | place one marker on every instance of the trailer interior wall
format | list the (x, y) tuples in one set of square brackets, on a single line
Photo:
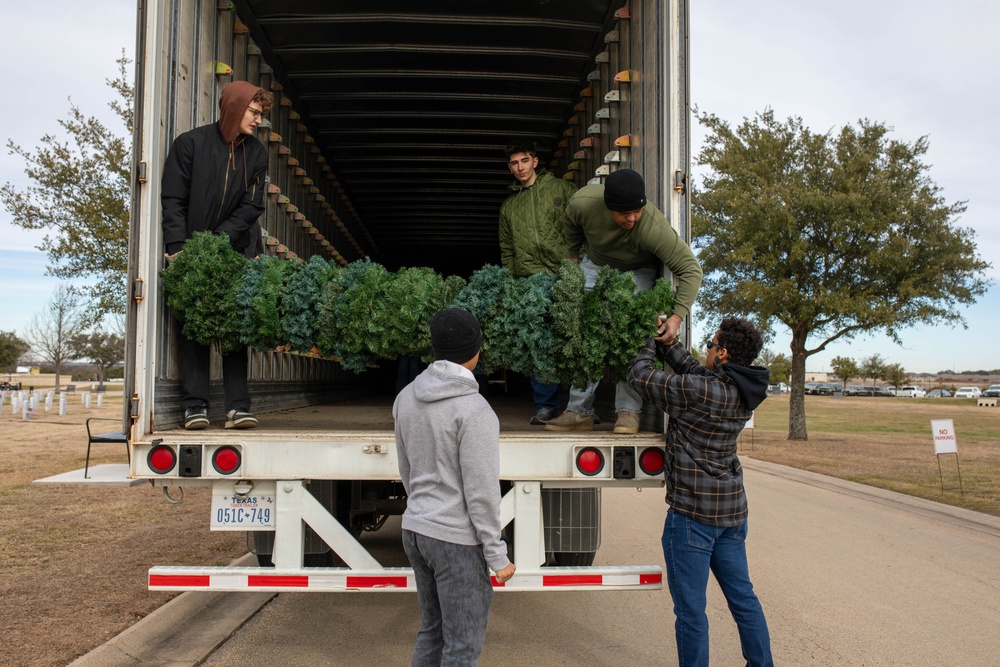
[(387, 134)]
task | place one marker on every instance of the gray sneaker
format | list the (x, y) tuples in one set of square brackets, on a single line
[(195, 419), (240, 419), (542, 416)]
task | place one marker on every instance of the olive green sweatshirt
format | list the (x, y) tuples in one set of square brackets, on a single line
[(589, 227)]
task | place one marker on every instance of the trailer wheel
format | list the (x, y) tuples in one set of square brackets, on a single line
[(574, 559)]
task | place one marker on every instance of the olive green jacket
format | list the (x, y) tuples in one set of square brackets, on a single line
[(531, 225), (590, 229)]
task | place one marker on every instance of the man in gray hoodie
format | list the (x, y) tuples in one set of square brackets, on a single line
[(448, 447)]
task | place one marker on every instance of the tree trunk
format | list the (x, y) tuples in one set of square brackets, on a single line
[(797, 400)]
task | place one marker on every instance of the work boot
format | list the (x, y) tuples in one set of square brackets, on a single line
[(628, 422), (570, 421), (543, 415), (195, 419), (240, 419)]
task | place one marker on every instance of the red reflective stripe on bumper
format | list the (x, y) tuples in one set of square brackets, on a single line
[(286, 582), (187, 580), (572, 580), (650, 579), (376, 582)]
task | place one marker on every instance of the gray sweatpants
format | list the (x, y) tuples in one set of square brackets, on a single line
[(454, 594)]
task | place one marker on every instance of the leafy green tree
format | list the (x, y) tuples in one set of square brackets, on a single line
[(872, 367), (830, 234), (100, 348), (895, 375), (844, 368), (50, 331), (11, 349), (80, 192), (780, 368)]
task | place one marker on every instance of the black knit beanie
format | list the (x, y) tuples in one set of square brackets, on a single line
[(624, 191), (455, 335)]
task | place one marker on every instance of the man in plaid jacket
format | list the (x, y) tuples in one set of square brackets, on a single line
[(706, 525)]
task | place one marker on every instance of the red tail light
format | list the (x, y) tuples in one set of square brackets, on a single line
[(226, 460), (590, 461), (651, 461), (161, 459)]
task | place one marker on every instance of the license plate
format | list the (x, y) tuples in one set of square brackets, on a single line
[(250, 511)]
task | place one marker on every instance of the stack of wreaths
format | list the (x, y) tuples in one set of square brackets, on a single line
[(543, 324)]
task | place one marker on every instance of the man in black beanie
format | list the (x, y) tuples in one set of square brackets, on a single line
[(448, 449), (622, 230)]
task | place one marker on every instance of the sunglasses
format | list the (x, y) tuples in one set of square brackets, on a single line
[(712, 344)]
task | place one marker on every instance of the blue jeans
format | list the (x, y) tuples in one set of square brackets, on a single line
[(690, 550), (454, 594), (545, 394), (581, 401)]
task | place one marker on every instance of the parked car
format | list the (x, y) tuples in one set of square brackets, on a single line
[(856, 390), (810, 387), (911, 391), (968, 392), (992, 391), (883, 391), (829, 388), (938, 393)]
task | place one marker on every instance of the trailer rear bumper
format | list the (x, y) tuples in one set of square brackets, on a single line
[(393, 580)]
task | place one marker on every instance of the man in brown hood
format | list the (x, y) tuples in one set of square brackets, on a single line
[(213, 180)]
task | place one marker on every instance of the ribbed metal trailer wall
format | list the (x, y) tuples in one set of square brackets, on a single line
[(387, 134)]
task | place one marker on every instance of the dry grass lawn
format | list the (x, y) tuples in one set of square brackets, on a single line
[(887, 442), (74, 560)]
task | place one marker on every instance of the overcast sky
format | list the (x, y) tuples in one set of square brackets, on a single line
[(922, 67)]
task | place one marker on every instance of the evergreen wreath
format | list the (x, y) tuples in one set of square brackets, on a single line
[(201, 286)]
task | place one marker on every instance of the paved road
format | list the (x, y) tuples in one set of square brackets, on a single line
[(848, 575)]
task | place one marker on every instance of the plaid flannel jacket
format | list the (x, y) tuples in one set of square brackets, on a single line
[(704, 478)]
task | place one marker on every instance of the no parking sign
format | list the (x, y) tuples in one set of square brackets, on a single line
[(944, 436), (945, 442)]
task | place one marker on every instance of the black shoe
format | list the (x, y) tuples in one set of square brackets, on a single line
[(542, 416), (195, 419), (240, 419)]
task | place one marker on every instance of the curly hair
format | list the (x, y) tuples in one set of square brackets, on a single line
[(264, 99), (741, 338), (521, 146)]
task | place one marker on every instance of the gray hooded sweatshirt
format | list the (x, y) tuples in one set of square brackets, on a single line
[(448, 446)]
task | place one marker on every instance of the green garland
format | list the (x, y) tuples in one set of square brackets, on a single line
[(346, 313), (298, 307), (546, 325), (201, 285), (480, 297), (259, 302)]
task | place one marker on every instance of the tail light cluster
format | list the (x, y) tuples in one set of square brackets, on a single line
[(626, 462), (186, 460)]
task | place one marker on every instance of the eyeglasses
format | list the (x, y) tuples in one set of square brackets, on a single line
[(712, 344), (257, 113)]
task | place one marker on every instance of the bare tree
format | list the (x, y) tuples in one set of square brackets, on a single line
[(51, 331)]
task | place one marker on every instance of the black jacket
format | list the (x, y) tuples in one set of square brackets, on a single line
[(205, 187)]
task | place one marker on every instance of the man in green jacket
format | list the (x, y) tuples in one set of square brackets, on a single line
[(622, 230), (531, 237)]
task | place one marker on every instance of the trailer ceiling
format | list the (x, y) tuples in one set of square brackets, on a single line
[(413, 105)]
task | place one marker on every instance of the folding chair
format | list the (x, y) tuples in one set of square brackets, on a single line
[(104, 438)]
